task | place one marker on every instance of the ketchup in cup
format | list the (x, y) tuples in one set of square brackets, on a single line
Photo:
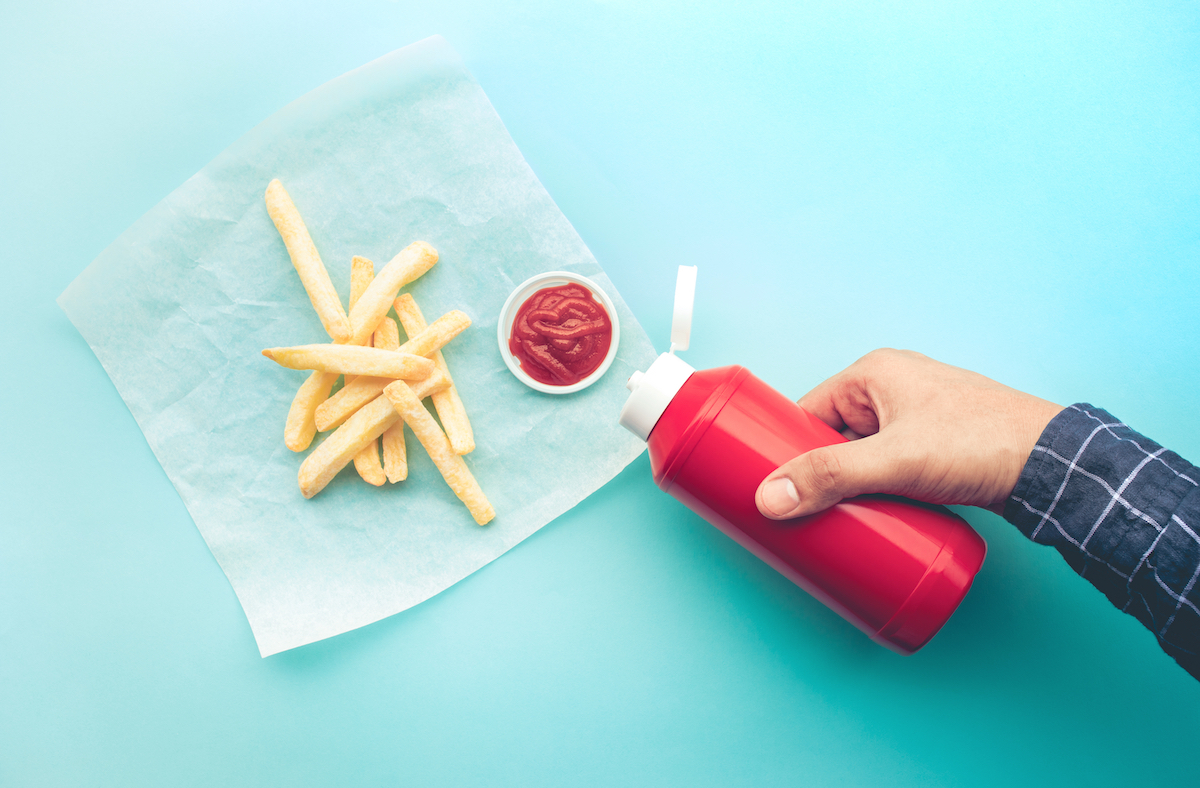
[(894, 568), (561, 335)]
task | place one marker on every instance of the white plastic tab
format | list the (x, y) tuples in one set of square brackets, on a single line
[(685, 296), (651, 391)]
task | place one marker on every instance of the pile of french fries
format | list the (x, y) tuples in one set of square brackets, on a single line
[(384, 380)]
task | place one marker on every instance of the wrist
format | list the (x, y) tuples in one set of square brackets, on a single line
[(1036, 414)]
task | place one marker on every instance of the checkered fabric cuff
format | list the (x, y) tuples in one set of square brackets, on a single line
[(1125, 514)]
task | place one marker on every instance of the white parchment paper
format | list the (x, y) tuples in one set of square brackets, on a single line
[(177, 309)]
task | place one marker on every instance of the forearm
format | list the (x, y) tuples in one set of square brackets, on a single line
[(1125, 514)]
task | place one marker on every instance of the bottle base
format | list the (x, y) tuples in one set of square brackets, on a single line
[(936, 596)]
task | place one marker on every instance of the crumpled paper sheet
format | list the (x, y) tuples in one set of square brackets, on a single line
[(178, 309)]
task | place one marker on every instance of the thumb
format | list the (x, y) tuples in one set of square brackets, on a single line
[(820, 478)]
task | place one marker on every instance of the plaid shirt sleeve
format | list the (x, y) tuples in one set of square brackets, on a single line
[(1125, 514)]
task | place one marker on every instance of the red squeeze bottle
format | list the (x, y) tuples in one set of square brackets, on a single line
[(894, 568)]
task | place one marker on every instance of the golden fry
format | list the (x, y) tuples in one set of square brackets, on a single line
[(362, 271), (300, 428), (366, 462), (387, 336), (371, 421), (413, 261), (435, 337), (453, 468), (360, 391), (395, 454), (448, 403), (356, 393), (395, 463), (307, 261), (352, 360), (336, 451), (301, 424)]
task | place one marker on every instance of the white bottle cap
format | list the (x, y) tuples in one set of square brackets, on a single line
[(651, 391)]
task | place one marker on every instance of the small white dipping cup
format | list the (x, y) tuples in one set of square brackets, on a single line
[(518, 298)]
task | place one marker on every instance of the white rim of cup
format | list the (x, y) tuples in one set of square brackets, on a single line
[(517, 299)]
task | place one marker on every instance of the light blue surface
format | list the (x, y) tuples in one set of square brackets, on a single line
[(1007, 186)]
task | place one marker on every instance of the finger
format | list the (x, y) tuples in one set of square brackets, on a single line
[(843, 403), (818, 479), (820, 402)]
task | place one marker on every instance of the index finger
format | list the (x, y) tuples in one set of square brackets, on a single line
[(843, 402), (819, 402)]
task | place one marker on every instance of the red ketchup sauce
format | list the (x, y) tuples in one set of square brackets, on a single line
[(561, 335)]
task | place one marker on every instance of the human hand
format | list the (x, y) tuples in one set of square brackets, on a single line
[(918, 428)]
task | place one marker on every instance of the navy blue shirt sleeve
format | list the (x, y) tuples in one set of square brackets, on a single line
[(1125, 514)]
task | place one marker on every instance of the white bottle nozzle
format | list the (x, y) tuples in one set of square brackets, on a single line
[(685, 297), (652, 391)]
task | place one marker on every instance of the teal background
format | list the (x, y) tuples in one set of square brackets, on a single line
[(1005, 186)]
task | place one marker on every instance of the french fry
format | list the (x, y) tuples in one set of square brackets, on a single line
[(387, 335), (336, 451), (395, 456), (444, 329), (413, 261), (453, 468), (352, 360), (362, 271), (366, 462), (360, 391), (448, 403), (371, 421), (308, 263), (395, 453), (341, 406), (301, 426)]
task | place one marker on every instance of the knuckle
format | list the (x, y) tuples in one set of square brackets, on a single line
[(881, 358), (887, 362), (824, 470), (910, 357), (876, 355)]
